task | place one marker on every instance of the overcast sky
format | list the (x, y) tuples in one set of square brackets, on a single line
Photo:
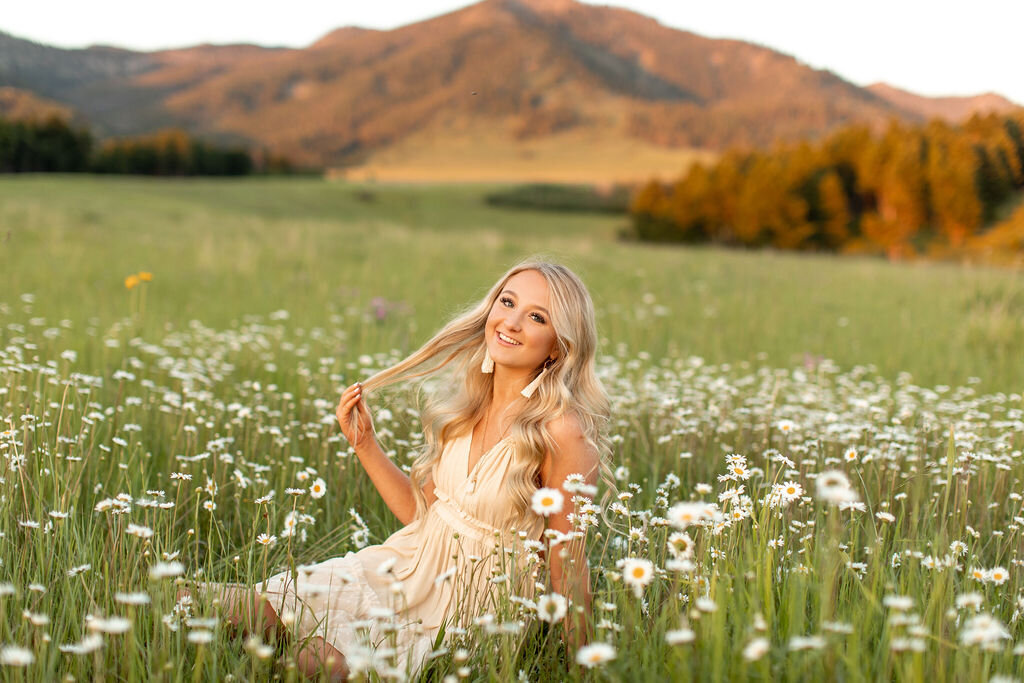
[(936, 47)]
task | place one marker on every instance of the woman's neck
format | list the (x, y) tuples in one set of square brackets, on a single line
[(507, 385)]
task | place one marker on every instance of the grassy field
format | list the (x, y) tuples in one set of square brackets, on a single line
[(480, 155), (223, 249), (865, 525)]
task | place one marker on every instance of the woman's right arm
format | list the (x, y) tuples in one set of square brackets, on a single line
[(394, 485)]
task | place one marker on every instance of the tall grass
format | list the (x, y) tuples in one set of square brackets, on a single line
[(156, 417), (222, 249)]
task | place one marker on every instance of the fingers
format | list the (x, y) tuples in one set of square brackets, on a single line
[(346, 405), (350, 393), (350, 398), (356, 388)]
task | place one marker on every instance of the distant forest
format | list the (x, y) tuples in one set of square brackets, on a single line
[(54, 146), (934, 189)]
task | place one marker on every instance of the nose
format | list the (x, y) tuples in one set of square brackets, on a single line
[(513, 321)]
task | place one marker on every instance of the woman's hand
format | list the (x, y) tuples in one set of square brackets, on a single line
[(354, 417)]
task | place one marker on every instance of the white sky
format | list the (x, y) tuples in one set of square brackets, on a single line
[(934, 47)]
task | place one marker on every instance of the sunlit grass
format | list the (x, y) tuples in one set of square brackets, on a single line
[(146, 426), (227, 248)]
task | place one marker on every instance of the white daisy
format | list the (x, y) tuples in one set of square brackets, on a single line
[(139, 531), (791, 491), (138, 598), (318, 488), (972, 599), (551, 608), (998, 575), (89, 643), (834, 487), (200, 636), (900, 603), (547, 501), (13, 655), (785, 426), (595, 654), (679, 636), (682, 515), (755, 649), (162, 570), (637, 573), (680, 545), (291, 523), (108, 625)]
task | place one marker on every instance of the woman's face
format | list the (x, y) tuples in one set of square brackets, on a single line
[(519, 331)]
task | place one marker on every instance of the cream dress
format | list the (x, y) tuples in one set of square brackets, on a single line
[(436, 571)]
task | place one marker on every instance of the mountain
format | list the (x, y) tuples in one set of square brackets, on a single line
[(507, 80), (951, 109), (21, 105)]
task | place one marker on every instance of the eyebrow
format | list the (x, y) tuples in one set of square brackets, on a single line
[(539, 308)]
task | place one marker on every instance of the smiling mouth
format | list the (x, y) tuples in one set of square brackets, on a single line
[(507, 340)]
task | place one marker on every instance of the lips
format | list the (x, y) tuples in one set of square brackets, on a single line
[(498, 336)]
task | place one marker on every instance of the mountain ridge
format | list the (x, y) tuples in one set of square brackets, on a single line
[(500, 70), (951, 108)]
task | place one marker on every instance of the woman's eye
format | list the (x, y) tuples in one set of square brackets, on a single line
[(538, 317), (506, 301)]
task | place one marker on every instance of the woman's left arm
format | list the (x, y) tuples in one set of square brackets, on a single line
[(570, 573)]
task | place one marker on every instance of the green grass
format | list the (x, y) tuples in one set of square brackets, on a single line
[(220, 249), (207, 338)]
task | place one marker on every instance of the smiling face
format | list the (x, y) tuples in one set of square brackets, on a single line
[(519, 331)]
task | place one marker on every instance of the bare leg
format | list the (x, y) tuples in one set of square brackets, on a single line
[(252, 612), (247, 609), (319, 657)]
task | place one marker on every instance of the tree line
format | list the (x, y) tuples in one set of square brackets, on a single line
[(53, 145), (936, 189)]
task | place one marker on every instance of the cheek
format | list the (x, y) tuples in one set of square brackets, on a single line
[(547, 341)]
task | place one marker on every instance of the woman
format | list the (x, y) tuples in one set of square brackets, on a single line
[(519, 408)]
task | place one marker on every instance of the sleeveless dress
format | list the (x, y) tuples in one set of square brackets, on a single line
[(437, 571)]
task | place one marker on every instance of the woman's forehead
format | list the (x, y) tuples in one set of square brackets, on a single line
[(529, 285)]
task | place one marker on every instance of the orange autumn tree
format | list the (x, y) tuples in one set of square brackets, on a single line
[(912, 190), (950, 170)]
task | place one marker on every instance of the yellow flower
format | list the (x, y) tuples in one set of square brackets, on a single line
[(145, 275), (131, 281)]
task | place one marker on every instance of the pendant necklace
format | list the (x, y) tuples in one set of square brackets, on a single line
[(471, 484)]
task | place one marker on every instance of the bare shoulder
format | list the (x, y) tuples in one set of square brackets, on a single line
[(572, 452), (566, 429)]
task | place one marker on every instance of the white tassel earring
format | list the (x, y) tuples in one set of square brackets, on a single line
[(487, 367), (532, 386)]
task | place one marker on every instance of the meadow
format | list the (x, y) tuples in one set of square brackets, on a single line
[(818, 459)]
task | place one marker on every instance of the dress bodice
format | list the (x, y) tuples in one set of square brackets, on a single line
[(478, 498)]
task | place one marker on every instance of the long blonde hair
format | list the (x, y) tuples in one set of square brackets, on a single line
[(570, 386)]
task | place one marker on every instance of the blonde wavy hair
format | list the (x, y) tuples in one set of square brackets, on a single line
[(570, 386)]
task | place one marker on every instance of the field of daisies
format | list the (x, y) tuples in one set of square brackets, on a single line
[(167, 395)]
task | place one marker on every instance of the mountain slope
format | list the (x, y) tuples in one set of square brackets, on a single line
[(502, 72), (17, 104), (951, 109)]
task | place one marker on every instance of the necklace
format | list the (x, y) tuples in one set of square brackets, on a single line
[(471, 483)]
